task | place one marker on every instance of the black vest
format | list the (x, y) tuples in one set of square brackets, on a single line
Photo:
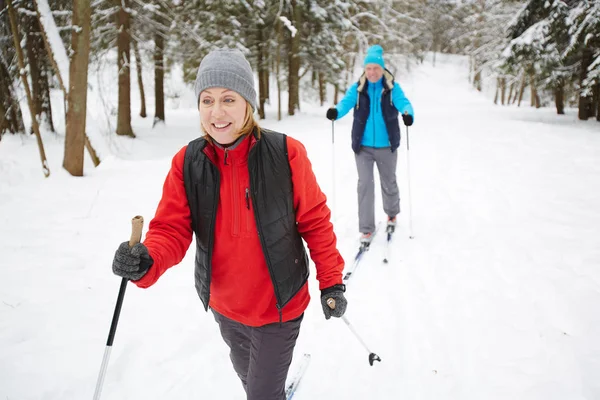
[(363, 109), (271, 193)]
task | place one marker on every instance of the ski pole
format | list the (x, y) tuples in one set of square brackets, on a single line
[(410, 229), (332, 171), (137, 223), (372, 356)]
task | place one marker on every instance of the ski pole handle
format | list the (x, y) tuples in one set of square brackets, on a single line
[(137, 223), (331, 303)]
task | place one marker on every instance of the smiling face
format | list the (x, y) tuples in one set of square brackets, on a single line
[(222, 114), (374, 72)]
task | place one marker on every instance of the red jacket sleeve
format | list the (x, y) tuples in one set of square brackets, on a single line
[(313, 217), (170, 231)]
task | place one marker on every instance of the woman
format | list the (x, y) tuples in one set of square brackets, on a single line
[(376, 99), (250, 197)]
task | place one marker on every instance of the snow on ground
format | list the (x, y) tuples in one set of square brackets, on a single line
[(496, 297)]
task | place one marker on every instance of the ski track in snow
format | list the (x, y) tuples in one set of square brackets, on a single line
[(496, 297)]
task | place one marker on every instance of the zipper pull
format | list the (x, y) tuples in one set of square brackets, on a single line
[(247, 198), (226, 154)]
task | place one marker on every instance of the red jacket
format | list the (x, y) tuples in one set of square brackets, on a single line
[(241, 287)]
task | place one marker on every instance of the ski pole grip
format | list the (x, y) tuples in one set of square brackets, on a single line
[(331, 303), (137, 223)]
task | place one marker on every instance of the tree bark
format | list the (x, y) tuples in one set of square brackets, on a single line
[(522, 89), (596, 101), (20, 59), (123, 58), (11, 119), (278, 66), (503, 90), (50, 54), (585, 102), (261, 66), (559, 97), (38, 69), (294, 60), (159, 75), (510, 92), (497, 91), (322, 87), (138, 67), (77, 96)]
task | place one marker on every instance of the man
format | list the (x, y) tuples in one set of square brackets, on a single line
[(377, 100)]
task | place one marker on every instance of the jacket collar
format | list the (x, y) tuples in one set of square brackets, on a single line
[(387, 81)]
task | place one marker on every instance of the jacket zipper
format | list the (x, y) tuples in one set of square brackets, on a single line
[(262, 243), (373, 104), (247, 198)]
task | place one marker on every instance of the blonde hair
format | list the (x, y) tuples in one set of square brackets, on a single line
[(250, 125)]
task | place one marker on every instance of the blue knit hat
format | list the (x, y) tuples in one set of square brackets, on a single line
[(375, 56)]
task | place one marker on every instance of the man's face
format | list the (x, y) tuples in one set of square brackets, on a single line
[(374, 72)]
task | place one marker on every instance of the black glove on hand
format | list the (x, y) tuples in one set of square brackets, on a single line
[(332, 114), (408, 119), (335, 292), (132, 263)]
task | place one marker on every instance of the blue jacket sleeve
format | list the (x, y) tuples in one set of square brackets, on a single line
[(400, 101), (348, 102)]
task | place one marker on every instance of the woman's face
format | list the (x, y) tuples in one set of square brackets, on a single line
[(222, 114)]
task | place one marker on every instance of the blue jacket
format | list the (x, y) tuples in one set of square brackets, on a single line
[(375, 122)]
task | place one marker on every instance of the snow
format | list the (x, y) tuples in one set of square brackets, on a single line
[(496, 297), (58, 47)]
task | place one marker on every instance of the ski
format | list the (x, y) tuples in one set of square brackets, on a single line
[(390, 231), (292, 386), (364, 247)]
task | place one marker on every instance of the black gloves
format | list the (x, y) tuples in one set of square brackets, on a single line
[(334, 296), (408, 119), (332, 114), (132, 263)]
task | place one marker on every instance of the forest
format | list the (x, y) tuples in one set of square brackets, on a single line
[(547, 51)]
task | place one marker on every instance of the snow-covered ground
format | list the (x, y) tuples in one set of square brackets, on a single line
[(496, 297)]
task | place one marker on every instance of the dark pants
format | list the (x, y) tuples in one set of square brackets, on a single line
[(261, 356)]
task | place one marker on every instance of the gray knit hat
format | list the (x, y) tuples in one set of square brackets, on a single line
[(226, 68)]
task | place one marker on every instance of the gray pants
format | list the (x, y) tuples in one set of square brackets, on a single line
[(261, 356), (386, 165)]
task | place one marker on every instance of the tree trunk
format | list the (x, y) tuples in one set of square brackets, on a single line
[(11, 119), (322, 87), (559, 97), (535, 98), (77, 96), (159, 74), (123, 58), (497, 91), (585, 102), (21, 61), (278, 67), (477, 80), (596, 101), (510, 92), (503, 90), (294, 60), (138, 68), (336, 94), (38, 68), (522, 89), (261, 61)]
